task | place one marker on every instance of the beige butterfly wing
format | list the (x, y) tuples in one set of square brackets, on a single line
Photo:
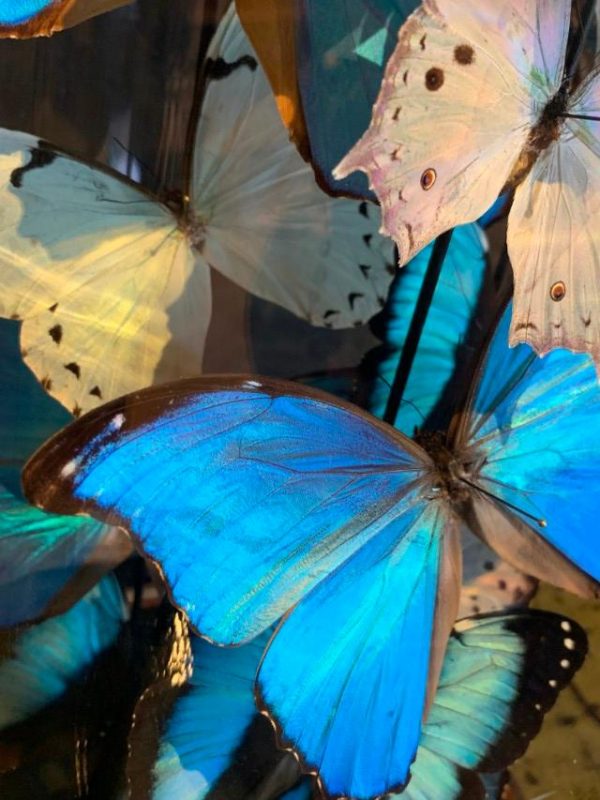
[(111, 296), (460, 94), (554, 237), (267, 225)]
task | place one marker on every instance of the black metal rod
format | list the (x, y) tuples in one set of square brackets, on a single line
[(409, 351)]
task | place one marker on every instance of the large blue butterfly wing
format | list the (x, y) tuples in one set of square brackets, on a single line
[(246, 493), (343, 46), (354, 656), (533, 437)]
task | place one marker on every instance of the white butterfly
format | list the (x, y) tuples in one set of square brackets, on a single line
[(114, 289), (474, 99)]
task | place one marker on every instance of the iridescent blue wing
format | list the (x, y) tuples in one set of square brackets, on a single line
[(46, 561), (273, 484), (500, 676), (354, 655), (197, 730), (531, 440), (342, 49), (41, 661), (443, 334)]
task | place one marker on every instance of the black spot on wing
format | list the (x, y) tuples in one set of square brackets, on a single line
[(353, 297), (53, 308), (46, 383), (422, 41), (367, 239), (405, 78), (39, 158), (76, 411), (15, 316), (434, 79), (363, 209), (218, 68), (587, 321), (96, 392), (523, 326), (330, 313), (365, 269), (56, 333), (74, 368), (396, 114), (464, 54)]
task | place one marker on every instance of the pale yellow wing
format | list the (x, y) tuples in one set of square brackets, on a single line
[(111, 296)]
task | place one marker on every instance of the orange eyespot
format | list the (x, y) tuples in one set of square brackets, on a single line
[(428, 179), (557, 291)]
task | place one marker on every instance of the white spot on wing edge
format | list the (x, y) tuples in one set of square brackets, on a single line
[(117, 421), (69, 468)]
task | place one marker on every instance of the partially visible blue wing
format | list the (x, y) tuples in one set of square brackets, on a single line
[(44, 659), (247, 492), (46, 561), (210, 736), (14, 12), (27, 18), (443, 333), (532, 437), (343, 46), (345, 676)]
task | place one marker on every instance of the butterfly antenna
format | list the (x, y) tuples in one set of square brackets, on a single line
[(417, 323), (540, 522)]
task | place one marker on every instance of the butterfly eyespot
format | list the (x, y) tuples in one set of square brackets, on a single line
[(428, 178), (557, 291), (434, 79), (463, 54)]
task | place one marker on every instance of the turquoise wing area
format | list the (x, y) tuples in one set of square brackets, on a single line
[(500, 676), (247, 492), (28, 416), (41, 661), (15, 12), (345, 675), (40, 554), (343, 46), (443, 334), (534, 439)]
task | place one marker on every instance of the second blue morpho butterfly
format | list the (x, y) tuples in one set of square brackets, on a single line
[(197, 734), (22, 19), (260, 498)]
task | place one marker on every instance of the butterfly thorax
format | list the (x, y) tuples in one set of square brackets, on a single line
[(450, 472), (191, 225), (194, 228), (546, 131)]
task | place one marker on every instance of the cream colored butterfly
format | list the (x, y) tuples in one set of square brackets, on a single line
[(114, 290), (474, 100)]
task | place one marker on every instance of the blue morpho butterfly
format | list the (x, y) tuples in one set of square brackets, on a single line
[(46, 561), (260, 498), (209, 738), (25, 18), (40, 661)]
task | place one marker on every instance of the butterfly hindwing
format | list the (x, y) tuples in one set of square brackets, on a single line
[(553, 240), (533, 436), (358, 645), (267, 225)]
